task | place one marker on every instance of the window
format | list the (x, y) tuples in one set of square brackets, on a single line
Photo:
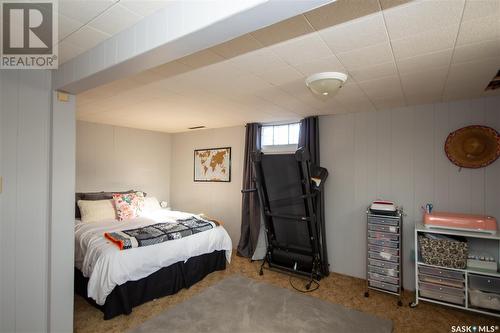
[(280, 138)]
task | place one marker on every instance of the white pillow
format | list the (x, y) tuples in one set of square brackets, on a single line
[(97, 210), (151, 205)]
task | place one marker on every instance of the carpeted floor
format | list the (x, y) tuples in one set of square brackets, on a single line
[(338, 289), (242, 305)]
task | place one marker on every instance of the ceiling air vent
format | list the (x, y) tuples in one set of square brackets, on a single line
[(495, 83), (196, 127)]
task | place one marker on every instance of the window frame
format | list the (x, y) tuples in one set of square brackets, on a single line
[(279, 148)]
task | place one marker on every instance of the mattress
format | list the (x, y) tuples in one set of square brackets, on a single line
[(106, 266)]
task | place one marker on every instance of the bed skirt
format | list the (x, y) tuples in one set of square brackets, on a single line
[(167, 281)]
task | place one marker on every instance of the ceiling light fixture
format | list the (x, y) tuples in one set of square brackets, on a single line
[(326, 83)]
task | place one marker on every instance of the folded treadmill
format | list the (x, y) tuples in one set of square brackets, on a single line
[(290, 192)]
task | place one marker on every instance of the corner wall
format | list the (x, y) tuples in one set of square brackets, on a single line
[(111, 158), (399, 155), (25, 115), (220, 200)]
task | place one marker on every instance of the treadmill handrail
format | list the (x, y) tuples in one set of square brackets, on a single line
[(248, 190), (290, 217)]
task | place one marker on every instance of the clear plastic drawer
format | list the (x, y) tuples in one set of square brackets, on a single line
[(375, 248), (383, 236), (484, 300), (460, 300), (384, 264), (383, 256), (383, 278), (446, 273), (440, 280), (441, 289), (383, 220), (381, 242), (383, 228), (385, 286), (484, 283), (384, 271)]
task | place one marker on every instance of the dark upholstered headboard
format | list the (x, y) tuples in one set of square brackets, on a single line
[(95, 196)]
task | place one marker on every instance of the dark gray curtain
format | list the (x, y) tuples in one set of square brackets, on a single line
[(309, 137), (309, 140), (250, 215)]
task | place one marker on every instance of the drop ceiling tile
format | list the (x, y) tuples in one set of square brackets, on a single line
[(470, 79), (419, 16), (281, 75), (477, 51), (279, 97), (302, 49), (385, 88), (83, 10), (201, 59), (67, 26), (366, 31), (482, 29), (115, 19), (424, 82), (425, 61), (331, 106), (374, 72), (299, 90), (144, 8), (237, 46), (258, 61), (341, 11), (389, 103), (87, 37), (426, 42), (285, 30), (477, 9), (423, 98), (353, 99), (330, 64), (368, 56)]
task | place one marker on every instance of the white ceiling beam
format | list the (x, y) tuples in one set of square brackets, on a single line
[(180, 29)]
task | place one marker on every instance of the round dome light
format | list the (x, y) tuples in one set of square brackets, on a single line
[(326, 83)]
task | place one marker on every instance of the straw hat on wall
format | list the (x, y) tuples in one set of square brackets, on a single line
[(473, 146)]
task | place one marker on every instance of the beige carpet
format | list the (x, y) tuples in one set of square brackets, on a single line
[(238, 304)]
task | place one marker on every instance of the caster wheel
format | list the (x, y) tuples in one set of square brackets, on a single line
[(413, 305), (400, 303), (261, 272), (367, 294), (308, 286)]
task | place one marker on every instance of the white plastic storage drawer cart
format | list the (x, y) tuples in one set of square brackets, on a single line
[(384, 269), (469, 289)]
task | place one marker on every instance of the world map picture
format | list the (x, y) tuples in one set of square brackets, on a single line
[(212, 165)]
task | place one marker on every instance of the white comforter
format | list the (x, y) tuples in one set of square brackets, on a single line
[(106, 266)]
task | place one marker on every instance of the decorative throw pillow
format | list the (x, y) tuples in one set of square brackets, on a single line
[(96, 210), (128, 206)]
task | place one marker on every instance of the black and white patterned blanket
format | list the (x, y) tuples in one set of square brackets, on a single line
[(158, 233)]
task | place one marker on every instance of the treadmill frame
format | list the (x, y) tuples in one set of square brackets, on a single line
[(313, 218)]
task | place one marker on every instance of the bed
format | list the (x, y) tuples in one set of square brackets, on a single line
[(117, 280)]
